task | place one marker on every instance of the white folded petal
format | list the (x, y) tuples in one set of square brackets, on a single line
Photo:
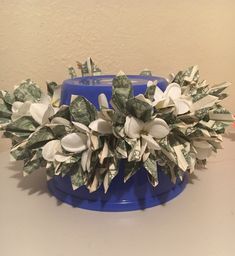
[(203, 148), (20, 109), (157, 128), (16, 106), (145, 156), (170, 77), (37, 111), (45, 99), (59, 157), (56, 97), (103, 102), (173, 91), (86, 160), (121, 73), (143, 147), (152, 144), (158, 95), (74, 142), (101, 126), (161, 103), (205, 102), (192, 162), (94, 141), (182, 106), (48, 113), (94, 185), (149, 83), (104, 153), (182, 162), (133, 127), (50, 149), (142, 98), (60, 120), (81, 127), (106, 114), (227, 117)]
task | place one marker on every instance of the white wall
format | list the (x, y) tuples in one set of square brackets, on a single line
[(39, 38)]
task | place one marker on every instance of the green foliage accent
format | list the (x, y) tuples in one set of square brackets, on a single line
[(82, 111), (27, 91), (139, 109)]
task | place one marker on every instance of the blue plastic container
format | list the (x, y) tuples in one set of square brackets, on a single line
[(137, 193)]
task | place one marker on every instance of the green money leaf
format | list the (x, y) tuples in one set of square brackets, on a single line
[(51, 86), (187, 77), (220, 114), (40, 137), (150, 91), (217, 89), (58, 130), (19, 152), (72, 72), (62, 112), (130, 169), (82, 111), (4, 111), (34, 163), (121, 148), (7, 98), (111, 173), (139, 109), (27, 91), (25, 123), (121, 92), (89, 68), (151, 166), (118, 102), (17, 136), (77, 179), (121, 81), (4, 122)]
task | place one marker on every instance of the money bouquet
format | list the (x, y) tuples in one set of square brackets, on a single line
[(176, 129)]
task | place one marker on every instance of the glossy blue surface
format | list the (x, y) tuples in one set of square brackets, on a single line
[(91, 87), (137, 193)]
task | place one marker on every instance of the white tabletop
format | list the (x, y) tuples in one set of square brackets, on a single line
[(200, 221)]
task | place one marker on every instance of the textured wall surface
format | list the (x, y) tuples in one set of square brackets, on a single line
[(40, 38)]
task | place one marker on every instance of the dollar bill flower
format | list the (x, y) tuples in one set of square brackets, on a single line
[(172, 95), (84, 140), (147, 133), (40, 111)]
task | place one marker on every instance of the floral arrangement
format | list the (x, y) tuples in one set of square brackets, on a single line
[(176, 129)]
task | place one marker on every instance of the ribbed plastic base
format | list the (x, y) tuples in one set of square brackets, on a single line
[(136, 194)]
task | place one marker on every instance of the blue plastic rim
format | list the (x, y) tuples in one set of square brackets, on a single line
[(92, 87), (137, 193)]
